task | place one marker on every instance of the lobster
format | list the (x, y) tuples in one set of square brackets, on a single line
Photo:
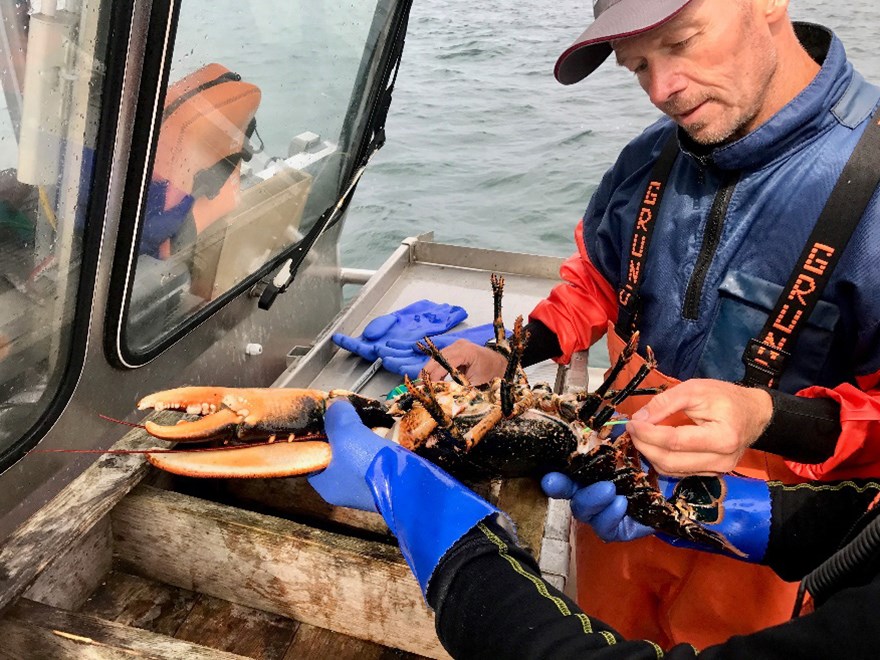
[(505, 428)]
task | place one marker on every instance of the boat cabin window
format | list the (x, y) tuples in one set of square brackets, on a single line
[(51, 70), (258, 132)]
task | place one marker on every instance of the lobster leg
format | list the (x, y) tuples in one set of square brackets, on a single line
[(431, 349), (496, 414), (605, 413), (622, 360), (426, 396), (593, 400), (517, 346), (498, 322)]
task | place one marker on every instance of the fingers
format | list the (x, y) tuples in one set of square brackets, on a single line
[(630, 530), (557, 486), (458, 354), (607, 522), (434, 371), (354, 345), (379, 326), (598, 505), (478, 363), (711, 438), (407, 366), (339, 418), (680, 451), (589, 501), (681, 398)]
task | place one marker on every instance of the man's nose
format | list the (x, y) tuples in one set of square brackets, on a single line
[(665, 80)]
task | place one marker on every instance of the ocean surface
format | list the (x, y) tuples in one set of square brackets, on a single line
[(485, 148)]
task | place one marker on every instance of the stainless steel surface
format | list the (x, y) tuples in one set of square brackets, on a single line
[(371, 371), (423, 269), (355, 275)]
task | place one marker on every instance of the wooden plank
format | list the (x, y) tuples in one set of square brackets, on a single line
[(135, 601), (72, 577), (33, 631), (312, 642), (289, 498), (238, 629), (359, 588), (73, 512)]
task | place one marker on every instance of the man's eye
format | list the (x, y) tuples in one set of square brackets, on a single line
[(684, 43)]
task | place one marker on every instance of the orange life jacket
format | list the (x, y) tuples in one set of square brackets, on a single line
[(208, 119)]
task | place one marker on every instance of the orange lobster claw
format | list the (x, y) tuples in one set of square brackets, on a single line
[(238, 412), (279, 459)]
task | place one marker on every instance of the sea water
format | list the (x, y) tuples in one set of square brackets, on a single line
[(485, 148)]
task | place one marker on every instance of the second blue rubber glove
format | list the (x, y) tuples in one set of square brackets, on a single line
[(598, 505), (743, 515), (422, 318), (425, 508)]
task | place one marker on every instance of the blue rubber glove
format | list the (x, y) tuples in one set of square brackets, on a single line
[(744, 521), (354, 447), (598, 505), (411, 323), (425, 508), (405, 358)]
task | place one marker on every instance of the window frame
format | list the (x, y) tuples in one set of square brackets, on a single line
[(72, 363)]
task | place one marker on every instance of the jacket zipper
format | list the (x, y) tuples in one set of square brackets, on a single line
[(711, 238)]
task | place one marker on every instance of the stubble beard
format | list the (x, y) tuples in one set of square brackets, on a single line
[(723, 131)]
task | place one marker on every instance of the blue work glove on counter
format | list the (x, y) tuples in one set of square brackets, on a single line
[(423, 318), (405, 358), (425, 508), (745, 519)]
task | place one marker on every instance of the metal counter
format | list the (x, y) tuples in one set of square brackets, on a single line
[(419, 269)]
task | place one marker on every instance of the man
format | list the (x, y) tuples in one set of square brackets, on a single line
[(701, 232)]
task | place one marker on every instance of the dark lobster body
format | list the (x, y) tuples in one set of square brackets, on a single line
[(531, 444)]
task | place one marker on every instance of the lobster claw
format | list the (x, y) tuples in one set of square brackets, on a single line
[(240, 413), (229, 412), (266, 461)]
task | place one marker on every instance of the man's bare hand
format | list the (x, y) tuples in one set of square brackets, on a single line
[(478, 363), (727, 419)]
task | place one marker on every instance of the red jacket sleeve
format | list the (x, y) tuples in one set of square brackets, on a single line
[(857, 453), (578, 310)]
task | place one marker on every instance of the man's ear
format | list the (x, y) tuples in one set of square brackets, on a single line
[(774, 10)]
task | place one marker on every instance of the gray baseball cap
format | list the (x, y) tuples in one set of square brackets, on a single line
[(615, 19)]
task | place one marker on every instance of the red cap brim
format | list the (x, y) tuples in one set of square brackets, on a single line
[(623, 19)]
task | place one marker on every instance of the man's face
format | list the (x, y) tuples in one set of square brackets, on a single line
[(710, 68)]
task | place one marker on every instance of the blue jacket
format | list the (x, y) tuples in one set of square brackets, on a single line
[(699, 320)]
